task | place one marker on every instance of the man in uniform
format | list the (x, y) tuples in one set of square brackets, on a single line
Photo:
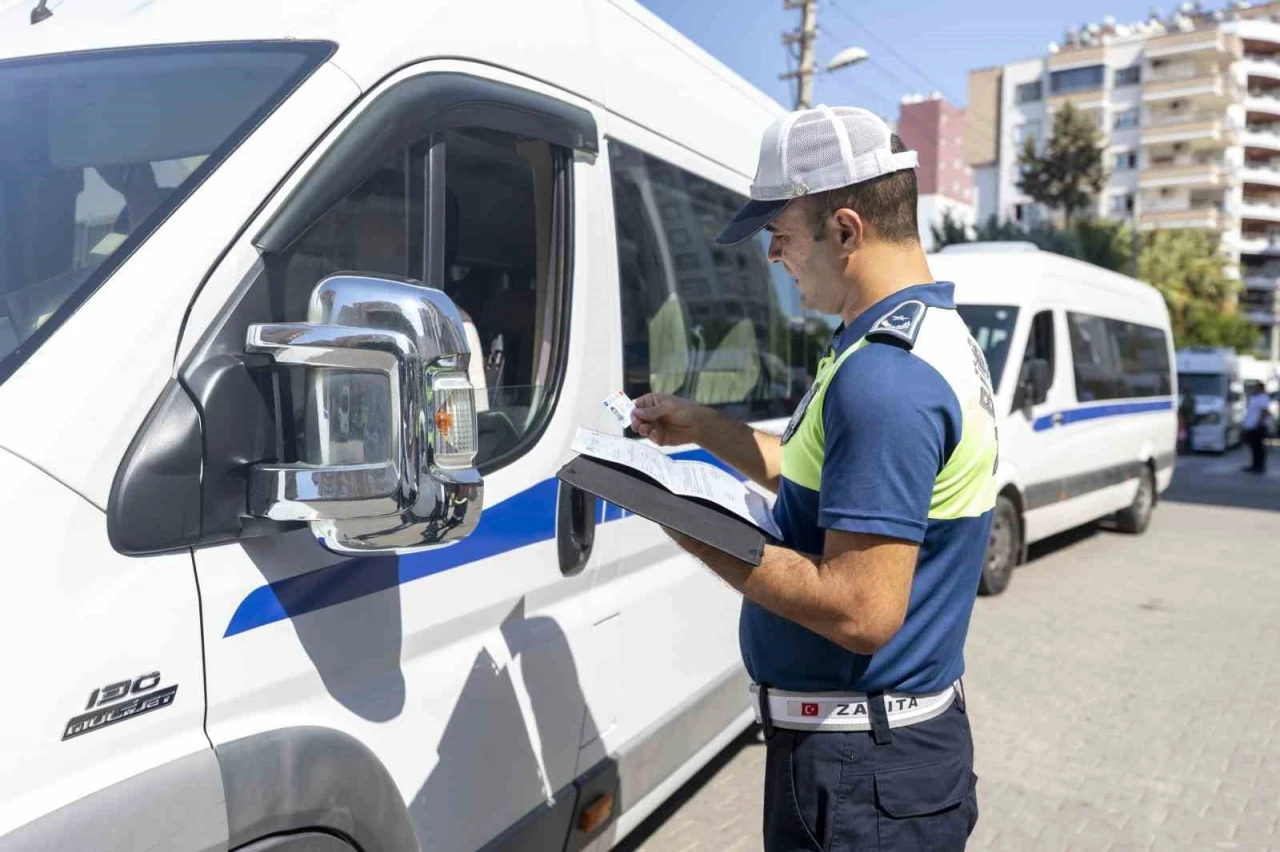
[(853, 628)]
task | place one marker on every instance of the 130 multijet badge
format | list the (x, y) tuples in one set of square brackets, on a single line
[(119, 701)]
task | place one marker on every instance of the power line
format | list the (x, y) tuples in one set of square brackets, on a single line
[(881, 98), (889, 49), (982, 131)]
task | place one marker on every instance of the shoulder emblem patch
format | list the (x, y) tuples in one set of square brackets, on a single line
[(798, 414), (902, 323)]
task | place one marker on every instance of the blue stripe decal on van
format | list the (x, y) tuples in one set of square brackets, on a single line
[(1076, 415), (526, 518)]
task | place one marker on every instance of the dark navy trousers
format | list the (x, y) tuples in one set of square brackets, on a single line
[(829, 791)]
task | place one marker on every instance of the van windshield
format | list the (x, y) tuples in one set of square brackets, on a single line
[(992, 327), (1203, 384), (100, 147)]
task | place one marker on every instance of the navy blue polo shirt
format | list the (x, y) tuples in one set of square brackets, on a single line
[(897, 439)]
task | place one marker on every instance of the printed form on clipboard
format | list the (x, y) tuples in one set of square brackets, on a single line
[(693, 479)]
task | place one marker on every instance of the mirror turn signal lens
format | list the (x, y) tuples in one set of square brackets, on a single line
[(453, 421), (444, 422)]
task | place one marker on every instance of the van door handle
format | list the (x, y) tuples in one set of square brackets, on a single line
[(575, 528), (1056, 418)]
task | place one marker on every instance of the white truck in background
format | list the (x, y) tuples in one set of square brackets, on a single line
[(1211, 375)]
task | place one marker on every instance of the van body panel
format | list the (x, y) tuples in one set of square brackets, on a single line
[(106, 653)]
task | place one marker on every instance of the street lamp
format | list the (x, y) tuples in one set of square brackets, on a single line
[(845, 58)]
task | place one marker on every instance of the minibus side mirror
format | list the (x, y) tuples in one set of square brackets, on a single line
[(1033, 385), (386, 446)]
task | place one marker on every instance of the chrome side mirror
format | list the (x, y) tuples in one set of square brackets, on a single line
[(388, 443)]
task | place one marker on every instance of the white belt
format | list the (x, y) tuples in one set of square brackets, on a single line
[(830, 711)]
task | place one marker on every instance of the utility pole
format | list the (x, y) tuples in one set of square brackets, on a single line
[(805, 37)]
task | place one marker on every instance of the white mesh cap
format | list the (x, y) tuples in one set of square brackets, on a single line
[(815, 150)]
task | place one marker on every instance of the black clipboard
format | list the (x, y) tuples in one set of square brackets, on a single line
[(637, 493)]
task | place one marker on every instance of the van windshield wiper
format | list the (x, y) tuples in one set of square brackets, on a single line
[(41, 12)]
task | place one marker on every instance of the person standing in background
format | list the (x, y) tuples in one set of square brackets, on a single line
[(1255, 426)]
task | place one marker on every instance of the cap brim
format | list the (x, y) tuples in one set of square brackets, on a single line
[(750, 220)]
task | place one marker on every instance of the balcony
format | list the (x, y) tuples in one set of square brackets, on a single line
[(1264, 174), (1185, 217), (1260, 210), (1091, 99), (1072, 56), (1259, 305), (1258, 243), (1266, 278), (1187, 174), (1265, 65), (1204, 86), (1206, 130), (1260, 136), (1263, 101), (1209, 40)]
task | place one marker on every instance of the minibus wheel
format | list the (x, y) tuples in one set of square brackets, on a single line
[(1003, 547), (1137, 517)]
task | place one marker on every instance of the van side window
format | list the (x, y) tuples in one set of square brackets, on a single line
[(1118, 360), (712, 323), (1144, 358), (503, 262), (1040, 346)]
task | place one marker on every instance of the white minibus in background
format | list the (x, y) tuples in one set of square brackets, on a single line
[(1081, 359), (1212, 376)]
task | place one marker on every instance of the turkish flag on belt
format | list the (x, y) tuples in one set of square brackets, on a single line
[(808, 709)]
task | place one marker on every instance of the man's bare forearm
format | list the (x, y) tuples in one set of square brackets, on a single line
[(755, 454)]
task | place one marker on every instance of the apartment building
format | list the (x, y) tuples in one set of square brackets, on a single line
[(935, 130), (1189, 112)]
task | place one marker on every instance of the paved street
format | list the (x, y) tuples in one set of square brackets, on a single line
[(1123, 690)]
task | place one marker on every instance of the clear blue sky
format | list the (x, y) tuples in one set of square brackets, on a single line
[(939, 41)]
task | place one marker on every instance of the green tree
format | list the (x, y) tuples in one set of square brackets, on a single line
[(1066, 174), (1104, 243), (1189, 269), (950, 230)]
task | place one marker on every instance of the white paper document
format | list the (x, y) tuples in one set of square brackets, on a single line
[(686, 478)]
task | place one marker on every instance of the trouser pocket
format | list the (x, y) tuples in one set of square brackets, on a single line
[(930, 808), (802, 790)]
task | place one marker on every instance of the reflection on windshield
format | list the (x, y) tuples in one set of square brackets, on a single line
[(98, 148), (1202, 384), (992, 327)]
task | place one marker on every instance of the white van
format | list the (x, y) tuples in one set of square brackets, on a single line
[(269, 582), (1211, 375), (1080, 358)]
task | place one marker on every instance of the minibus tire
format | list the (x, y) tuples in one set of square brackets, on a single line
[(1006, 535), (1137, 517)]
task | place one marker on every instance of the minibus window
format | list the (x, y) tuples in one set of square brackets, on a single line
[(991, 326), (503, 266), (712, 323), (100, 147), (1115, 359)]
